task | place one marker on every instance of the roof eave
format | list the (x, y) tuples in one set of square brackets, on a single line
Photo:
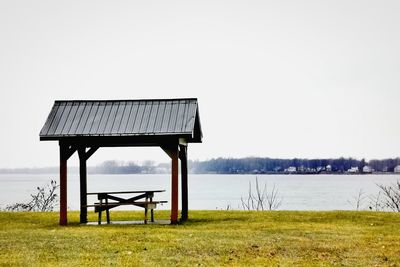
[(129, 139)]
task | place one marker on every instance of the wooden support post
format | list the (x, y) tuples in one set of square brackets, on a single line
[(184, 178), (83, 157), (63, 184), (172, 151), (83, 184), (174, 187), (66, 151)]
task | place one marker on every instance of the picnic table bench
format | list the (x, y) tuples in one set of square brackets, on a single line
[(143, 199)]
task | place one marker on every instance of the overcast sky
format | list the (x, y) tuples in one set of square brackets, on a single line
[(273, 78)]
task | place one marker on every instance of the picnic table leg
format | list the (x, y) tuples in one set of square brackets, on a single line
[(145, 214), (107, 212), (99, 220), (100, 210), (108, 215), (151, 212)]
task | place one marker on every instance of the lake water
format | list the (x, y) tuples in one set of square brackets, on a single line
[(210, 191)]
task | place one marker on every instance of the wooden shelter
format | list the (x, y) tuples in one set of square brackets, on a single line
[(84, 126)]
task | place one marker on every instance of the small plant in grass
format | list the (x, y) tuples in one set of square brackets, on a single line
[(45, 199), (261, 199)]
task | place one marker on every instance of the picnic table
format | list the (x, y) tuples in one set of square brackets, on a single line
[(109, 200)]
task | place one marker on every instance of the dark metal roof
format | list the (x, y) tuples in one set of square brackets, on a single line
[(106, 118)]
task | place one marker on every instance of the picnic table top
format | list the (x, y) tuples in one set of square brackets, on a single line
[(126, 192), (135, 203)]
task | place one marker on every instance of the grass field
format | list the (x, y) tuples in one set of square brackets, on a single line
[(210, 238)]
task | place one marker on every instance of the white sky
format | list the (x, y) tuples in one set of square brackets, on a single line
[(273, 78)]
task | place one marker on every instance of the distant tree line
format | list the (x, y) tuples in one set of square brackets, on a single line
[(120, 167), (250, 165), (107, 167), (269, 165)]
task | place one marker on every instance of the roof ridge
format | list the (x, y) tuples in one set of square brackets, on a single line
[(125, 100)]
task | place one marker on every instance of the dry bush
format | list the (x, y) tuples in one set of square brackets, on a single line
[(44, 200), (261, 199), (390, 196)]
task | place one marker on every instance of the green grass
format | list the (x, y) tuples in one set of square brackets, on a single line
[(210, 238)]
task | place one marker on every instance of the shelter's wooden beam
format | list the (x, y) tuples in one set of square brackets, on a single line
[(91, 151), (184, 185), (169, 148), (116, 141), (183, 142), (69, 150)]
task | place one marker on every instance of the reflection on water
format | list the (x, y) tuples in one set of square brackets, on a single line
[(210, 191)]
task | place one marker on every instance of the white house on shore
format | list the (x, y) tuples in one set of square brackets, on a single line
[(397, 169), (353, 170), (328, 168), (291, 169), (367, 169)]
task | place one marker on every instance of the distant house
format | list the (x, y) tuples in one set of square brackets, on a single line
[(328, 168), (353, 170), (291, 169), (397, 169), (367, 169)]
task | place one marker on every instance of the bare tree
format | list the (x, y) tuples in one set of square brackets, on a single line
[(391, 196), (358, 200), (44, 200), (261, 199), (249, 203), (273, 199)]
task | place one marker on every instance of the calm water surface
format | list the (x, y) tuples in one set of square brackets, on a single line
[(209, 191)]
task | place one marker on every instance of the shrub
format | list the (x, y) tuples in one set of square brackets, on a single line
[(44, 200)]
